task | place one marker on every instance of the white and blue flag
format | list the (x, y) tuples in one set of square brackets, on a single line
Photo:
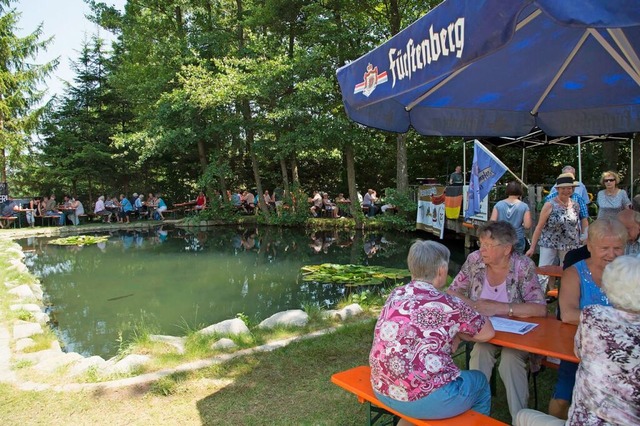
[(485, 172)]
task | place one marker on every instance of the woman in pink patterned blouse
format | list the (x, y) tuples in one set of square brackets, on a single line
[(418, 331), (496, 280)]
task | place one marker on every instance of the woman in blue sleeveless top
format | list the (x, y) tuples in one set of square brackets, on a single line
[(580, 287)]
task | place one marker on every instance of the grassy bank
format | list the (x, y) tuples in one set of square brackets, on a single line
[(289, 386)]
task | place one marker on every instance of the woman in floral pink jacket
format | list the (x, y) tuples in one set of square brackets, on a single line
[(419, 329)]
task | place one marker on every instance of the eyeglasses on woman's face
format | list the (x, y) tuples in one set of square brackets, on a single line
[(488, 244), (607, 180)]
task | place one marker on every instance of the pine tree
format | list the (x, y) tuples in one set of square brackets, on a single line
[(20, 95)]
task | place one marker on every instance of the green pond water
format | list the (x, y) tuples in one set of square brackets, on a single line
[(171, 281)]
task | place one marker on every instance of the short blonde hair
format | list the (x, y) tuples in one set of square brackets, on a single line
[(606, 227), (425, 258), (621, 283), (615, 175)]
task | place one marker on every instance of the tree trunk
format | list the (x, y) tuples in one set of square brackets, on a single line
[(285, 175), (4, 155), (90, 192), (248, 120), (202, 156), (356, 211), (294, 171), (4, 166), (402, 176)]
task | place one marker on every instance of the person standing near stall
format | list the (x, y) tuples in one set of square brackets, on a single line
[(559, 226), (513, 210)]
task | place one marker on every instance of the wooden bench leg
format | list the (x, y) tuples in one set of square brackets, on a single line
[(376, 413)]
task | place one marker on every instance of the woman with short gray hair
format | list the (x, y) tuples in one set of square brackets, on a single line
[(496, 280), (419, 328), (607, 381), (426, 258)]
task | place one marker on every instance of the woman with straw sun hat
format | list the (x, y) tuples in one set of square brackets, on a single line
[(559, 226)]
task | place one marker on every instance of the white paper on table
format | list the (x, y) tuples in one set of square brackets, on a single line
[(512, 326)]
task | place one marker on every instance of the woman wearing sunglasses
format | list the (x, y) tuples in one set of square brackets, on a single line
[(611, 200)]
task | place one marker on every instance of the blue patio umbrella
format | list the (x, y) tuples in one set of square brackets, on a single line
[(503, 68)]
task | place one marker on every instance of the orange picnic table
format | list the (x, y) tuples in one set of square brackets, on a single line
[(554, 271), (550, 338)]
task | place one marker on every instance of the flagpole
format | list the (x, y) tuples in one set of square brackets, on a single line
[(484, 148), (464, 162)]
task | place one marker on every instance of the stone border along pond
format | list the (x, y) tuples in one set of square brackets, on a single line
[(50, 368)]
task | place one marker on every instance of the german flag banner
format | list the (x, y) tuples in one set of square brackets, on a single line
[(453, 201)]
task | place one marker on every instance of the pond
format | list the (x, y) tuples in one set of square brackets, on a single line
[(171, 281)]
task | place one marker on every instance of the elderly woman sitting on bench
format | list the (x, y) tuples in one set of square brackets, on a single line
[(412, 370)]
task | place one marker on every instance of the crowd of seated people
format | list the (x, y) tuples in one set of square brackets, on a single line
[(121, 209), (107, 208), (322, 205)]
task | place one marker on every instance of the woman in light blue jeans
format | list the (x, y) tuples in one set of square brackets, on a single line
[(470, 391), (419, 328)]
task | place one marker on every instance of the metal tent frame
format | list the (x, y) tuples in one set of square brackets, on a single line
[(537, 138)]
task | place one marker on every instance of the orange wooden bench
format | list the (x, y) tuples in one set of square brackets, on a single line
[(358, 381)]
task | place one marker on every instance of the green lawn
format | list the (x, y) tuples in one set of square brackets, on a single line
[(289, 386)]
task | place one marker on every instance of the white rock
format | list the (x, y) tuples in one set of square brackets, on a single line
[(22, 344), (41, 317), (23, 291), (177, 342), (126, 365), (36, 357), (37, 291), (85, 364), (24, 329), (16, 250), (18, 266), (224, 343), (229, 327), (29, 307), (347, 312), (55, 346), (293, 317), (51, 364)]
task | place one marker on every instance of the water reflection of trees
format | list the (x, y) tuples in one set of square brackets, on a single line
[(174, 279)]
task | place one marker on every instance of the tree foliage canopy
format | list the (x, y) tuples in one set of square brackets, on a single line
[(221, 95)]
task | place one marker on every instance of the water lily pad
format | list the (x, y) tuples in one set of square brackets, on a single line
[(79, 240), (352, 275)]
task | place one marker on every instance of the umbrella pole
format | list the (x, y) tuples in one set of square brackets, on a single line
[(464, 162), (579, 160), (632, 174), (522, 169)]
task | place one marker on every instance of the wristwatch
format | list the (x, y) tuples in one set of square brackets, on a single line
[(510, 310)]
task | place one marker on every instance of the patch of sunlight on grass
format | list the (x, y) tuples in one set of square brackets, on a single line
[(42, 341)]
